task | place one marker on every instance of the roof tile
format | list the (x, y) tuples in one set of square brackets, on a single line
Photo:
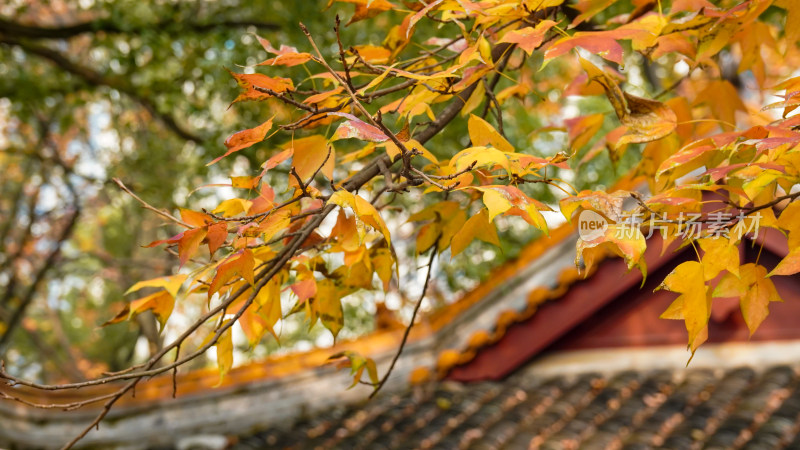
[(736, 408)]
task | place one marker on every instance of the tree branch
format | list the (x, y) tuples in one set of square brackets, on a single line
[(19, 30), (93, 77)]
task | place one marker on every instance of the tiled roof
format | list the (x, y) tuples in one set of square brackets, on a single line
[(696, 408)]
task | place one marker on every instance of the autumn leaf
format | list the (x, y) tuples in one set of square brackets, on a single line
[(216, 236), (719, 254), (195, 219), (622, 239), (305, 289), (693, 304), (479, 156), (245, 138), (477, 227), (357, 364), (582, 129), (170, 283), (160, 304), (603, 45), (239, 264), (329, 306), (510, 200), (529, 38), (251, 82), (224, 347), (311, 154), (754, 290), (647, 120), (284, 56), (356, 128), (608, 204), (363, 210), (446, 219), (481, 133)]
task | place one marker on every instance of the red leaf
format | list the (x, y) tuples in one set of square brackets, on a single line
[(305, 289), (356, 128), (597, 43)]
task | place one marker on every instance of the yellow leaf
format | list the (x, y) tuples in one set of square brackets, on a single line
[(482, 133), (329, 306), (224, 353), (161, 304), (475, 99), (480, 156), (719, 254), (609, 205), (754, 291), (478, 226), (232, 207), (688, 280), (383, 262), (623, 239), (495, 202), (363, 209), (171, 283), (392, 150)]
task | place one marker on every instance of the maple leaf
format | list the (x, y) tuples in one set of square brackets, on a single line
[(581, 129), (239, 264), (719, 254), (607, 204), (510, 200), (482, 133), (754, 290), (250, 83), (160, 304), (363, 210), (245, 138), (693, 305), (309, 155), (224, 347), (285, 56), (188, 242), (366, 9), (529, 38), (477, 227), (357, 128), (647, 120), (357, 364), (329, 306), (171, 284)]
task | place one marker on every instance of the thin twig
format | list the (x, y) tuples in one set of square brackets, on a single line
[(410, 324), (146, 205)]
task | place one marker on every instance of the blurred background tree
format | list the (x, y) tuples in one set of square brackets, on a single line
[(137, 90)]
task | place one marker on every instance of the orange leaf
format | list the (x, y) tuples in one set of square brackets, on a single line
[(239, 264), (250, 83), (309, 155), (529, 38), (357, 128), (217, 233), (245, 138)]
